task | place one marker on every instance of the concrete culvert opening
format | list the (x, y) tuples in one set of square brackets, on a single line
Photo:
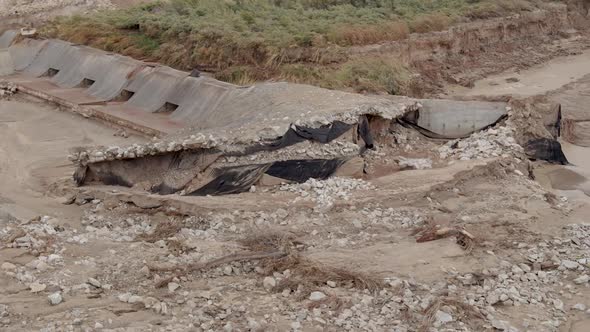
[(167, 108), (125, 95), (52, 72), (86, 83)]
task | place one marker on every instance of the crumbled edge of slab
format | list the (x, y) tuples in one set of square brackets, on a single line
[(235, 143)]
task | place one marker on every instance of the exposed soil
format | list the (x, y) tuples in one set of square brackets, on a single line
[(473, 244)]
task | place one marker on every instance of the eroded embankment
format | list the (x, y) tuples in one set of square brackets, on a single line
[(340, 148), (224, 138), (440, 57)]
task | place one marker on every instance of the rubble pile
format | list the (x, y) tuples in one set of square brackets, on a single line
[(325, 192), (7, 89), (493, 142)]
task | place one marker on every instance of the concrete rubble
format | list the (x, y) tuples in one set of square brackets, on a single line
[(7, 89), (361, 252)]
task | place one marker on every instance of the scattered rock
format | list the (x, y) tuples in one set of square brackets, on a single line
[(584, 278), (55, 298), (570, 265), (6, 266), (37, 287), (173, 287), (579, 306), (442, 318), (94, 282), (317, 296), (269, 283)]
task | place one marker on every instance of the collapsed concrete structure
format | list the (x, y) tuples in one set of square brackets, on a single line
[(215, 137)]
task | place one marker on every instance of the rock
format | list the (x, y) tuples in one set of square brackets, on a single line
[(55, 298), (135, 299), (173, 286), (228, 327), (145, 202), (145, 270), (94, 282), (558, 304), (517, 270), (582, 279), (570, 265), (53, 258), (227, 270), (317, 296), (296, 326), (67, 200), (42, 266), (492, 298), (253, 324), (501, 325), (269, 283), (124, 297), (442, 318), (6, 266), (37, 287), (331, 283), (415, 163), (579, 306), (98, 325)]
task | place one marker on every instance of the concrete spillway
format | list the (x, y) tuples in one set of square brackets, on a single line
[(165, 100), (214, 120)]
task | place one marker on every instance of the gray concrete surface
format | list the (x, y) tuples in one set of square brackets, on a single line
[(454, 119)]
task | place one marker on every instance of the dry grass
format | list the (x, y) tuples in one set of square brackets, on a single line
[(265, 241), (300, 40), (277, 252), (332, 302), (462, 312), (306, 275), (163, 230), (369, 34), (430, 22)]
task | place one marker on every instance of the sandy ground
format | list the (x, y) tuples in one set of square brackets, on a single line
[(36, 140), (104, 257), (341, 254)]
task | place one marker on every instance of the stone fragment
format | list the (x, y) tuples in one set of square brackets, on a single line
[(317, 296), (55, 298)]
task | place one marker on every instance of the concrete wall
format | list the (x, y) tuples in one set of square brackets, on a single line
[(454, 119)]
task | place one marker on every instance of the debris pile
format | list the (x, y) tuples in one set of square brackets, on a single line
[(325, 192), (493, 142), (7, 89)]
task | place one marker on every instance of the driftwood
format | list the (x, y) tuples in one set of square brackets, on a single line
[(465, 239), (195, 267)]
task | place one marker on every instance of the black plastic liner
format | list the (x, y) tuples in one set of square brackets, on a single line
[(298, 134), (303, 170), (234, 180), (364, 132), (555, 126), (173, 172), (546, 149)]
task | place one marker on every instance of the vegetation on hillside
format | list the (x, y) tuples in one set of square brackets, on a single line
[(242, 41)]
